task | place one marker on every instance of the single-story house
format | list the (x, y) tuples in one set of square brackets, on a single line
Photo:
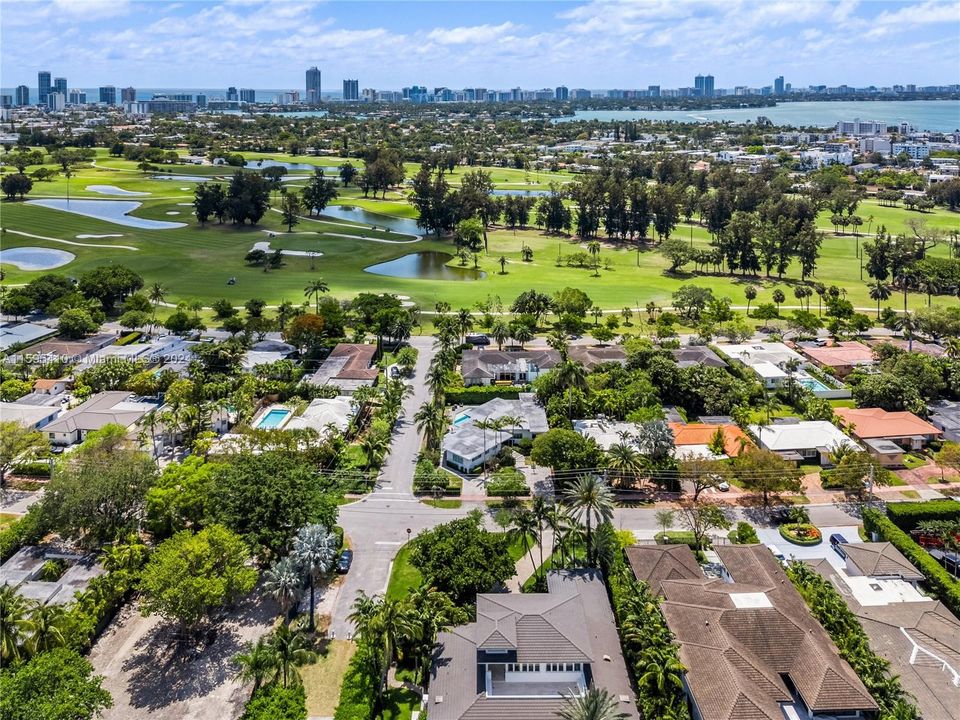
[(114, 407), (70, 351), (605, 432), (45, 386), (489, 367), (802, 441), (467, 447), (945, 416), (690, 355), (527, 654), (931, 349), (751, 354), (879, 560), (323, 412), (590, 357), (692, 440), (903, 428), (348, 367), (29, 415), (841, 358), (22, 334)]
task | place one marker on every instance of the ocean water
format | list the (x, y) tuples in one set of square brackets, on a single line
[(934, 115)]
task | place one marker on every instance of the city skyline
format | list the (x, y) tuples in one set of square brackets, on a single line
[(594, 44)]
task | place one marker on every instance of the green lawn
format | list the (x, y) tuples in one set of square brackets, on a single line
[(914, 460), (403, 576), (443, 503), (195, 262), (7, 519), (323, 679), (399, 704)]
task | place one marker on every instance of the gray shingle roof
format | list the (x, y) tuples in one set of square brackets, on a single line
[(881, 559)]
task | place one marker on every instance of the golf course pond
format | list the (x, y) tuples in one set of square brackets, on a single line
[(350, 213), (425, 266), (112, 211), (113, 190), (36, 258)]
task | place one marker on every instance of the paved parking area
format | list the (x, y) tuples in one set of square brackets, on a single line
[(771, 536)]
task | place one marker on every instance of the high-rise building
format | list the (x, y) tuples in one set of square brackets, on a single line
[(653, 90), (703, 85), (108, 95), (351, 90), (60, 85), (180, 97), (778, 86), (232, 94), (248, 95), (6, 101), (562, 93), (201, 101), (128, 94), (56, 101), (313, 86), (43, 86), (22, 95), (76, 97)]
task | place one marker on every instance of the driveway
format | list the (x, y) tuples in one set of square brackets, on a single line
[(771, 536)]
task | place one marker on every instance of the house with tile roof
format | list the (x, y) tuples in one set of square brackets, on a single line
[(841, 358), (527, 653), (490, 367), (348, 366), (903, 428), (114, 407), (466, 447), (751, 648), (879, 560), (693, 440)]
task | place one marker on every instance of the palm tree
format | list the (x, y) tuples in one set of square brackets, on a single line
[(48, 623), (432, 421), (290, 649), (314, 549), (593, 247), (436, 379), (315, 289), (778, 297), (15, 623), (624, 460), (540, 509), (594, 704), (503, 264), (285, 311), (906, 325), (521, 333), (431, 612), (285, 583), (750, 292), (879, 291), (570, 375), (591, 502), (660, 671), (523, 530), (156, 295), (257, 662), (500, 331), (374, 447), (381, 625)]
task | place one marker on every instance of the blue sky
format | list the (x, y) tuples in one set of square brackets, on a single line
[(586, 43)]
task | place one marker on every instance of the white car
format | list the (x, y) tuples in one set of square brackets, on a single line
[(724, 486)]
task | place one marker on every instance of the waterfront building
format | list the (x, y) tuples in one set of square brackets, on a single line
[(108, 95), (43, 86), (22, 95), (351, 90), (313, 86)]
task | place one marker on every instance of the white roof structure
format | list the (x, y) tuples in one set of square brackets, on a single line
[(12, 333), (322, 412), (755, 353), (802, 435), (605, 432)]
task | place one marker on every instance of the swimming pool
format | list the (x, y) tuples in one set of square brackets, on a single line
[(274, 418), (461, 419), (812, 384)]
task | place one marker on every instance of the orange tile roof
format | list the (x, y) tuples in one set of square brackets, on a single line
[(734, 439), (876, 423), (840, 354)]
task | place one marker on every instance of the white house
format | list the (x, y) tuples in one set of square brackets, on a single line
[(803, 441)]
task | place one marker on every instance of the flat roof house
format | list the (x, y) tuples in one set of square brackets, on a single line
[(527, 652), (841, 358), (467, 447), (750, 647), (348, 367), (945, 416), (803, 440), (114, 407), (28, 415), (489, 367), (903, 428)]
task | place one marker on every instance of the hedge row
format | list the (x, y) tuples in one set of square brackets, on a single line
[(479, 394), (275, 702), (357, 692), (22, 532), (507, 483), (939, 581), (907, 515)]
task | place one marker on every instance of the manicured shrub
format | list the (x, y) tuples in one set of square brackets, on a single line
[(275, 702), (508, 482), (938, 580), (907, 515), (479, 394), (744, 534), (677, 537), (24, 531), (801, 534)]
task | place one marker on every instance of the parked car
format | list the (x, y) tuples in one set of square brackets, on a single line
[(394, 372), (776, 553), (478, 339), (837, 541), (724, 486), (344, 562)]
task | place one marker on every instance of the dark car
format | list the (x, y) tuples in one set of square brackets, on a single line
[(478, 340), (837, 541), (344, 562)]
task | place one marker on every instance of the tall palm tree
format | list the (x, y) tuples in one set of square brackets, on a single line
[(290, 649), (879, 291), (540, 509), (15, 624), (624, 460), (431, 612), (432, 420), (257, 662), (594, 704), (570, 375), (436, 379), (374, 447), (48, 623), (381, 624), (521, 333), (314, 289), (314, 548), (500, 331), (906, 325), (660, 671), (591, 503), (156, 295), (523, 530), (285, 583)]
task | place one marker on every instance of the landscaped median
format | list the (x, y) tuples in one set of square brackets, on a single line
[(801, 534)]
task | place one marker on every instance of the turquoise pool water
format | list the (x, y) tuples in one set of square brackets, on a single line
[(461, 419), (812, 384), (273, 419)]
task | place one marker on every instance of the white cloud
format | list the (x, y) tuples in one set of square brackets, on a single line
[(471, 35)]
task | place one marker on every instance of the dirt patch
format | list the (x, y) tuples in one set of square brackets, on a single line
[(322, 680)]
